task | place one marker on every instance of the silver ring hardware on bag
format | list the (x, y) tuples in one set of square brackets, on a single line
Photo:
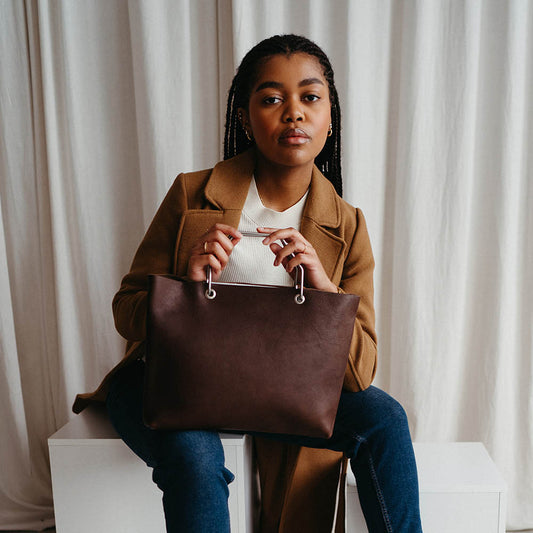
[(299, 298), (210, 293)]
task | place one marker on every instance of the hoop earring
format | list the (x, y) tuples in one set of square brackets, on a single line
[(249, 136), (330, 131)]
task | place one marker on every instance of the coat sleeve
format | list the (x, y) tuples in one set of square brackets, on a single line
[(155, 255), (357, 278)]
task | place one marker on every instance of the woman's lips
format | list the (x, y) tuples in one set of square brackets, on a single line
[(294, 136)]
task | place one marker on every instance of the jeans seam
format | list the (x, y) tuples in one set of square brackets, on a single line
[(381, 499)]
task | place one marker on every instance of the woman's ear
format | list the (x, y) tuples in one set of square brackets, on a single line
[(243, 117)]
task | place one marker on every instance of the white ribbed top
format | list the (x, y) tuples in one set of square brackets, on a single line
[(251, 261)]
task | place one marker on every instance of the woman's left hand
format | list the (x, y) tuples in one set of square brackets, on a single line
[(298, 251)]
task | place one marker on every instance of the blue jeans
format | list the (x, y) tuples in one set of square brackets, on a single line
[(188, 466)]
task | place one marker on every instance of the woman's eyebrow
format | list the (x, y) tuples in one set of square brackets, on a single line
[(310, 81), (269, 85), (278, 85)]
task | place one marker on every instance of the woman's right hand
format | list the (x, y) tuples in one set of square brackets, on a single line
[(213, 249)]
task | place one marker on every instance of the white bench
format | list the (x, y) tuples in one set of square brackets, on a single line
[(99, 484), (461, 490)]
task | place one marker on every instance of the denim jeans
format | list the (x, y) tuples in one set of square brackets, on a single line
[(188, 466)]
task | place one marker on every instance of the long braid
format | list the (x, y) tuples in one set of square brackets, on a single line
[(229, 135), (235, 140)]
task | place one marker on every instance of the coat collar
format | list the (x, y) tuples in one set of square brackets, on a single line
[(229, 182)]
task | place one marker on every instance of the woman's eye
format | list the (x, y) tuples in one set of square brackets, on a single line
[(272, 100), (311, 97)]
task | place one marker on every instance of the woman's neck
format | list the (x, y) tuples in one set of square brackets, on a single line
[(281, 187)]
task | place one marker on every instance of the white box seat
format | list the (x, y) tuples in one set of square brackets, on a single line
[(99, 484), (461, 491)]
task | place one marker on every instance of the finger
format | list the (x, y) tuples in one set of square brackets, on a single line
[(292, 262), (278, 234), (296, 247), (228, 236), (226, 240), (197, 265), (282, 253), (228, 231), (285, 263), (214, 263), (290, 249), (215, 248), (303, 256), (266, 230), (276, 249)]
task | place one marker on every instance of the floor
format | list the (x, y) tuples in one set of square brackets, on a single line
[(52, 530)]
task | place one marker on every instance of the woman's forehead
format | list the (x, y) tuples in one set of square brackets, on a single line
[(299, 66)]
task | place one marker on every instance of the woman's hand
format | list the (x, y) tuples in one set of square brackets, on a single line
[(298, 251), (213, 249)]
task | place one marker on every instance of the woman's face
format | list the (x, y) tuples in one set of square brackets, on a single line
[(289, 111)]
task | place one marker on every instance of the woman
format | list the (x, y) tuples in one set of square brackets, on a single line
[(283, 125)]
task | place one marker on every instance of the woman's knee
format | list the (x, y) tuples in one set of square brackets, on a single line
[(391, 418), (374, 408), (388, 407), (189, 455)]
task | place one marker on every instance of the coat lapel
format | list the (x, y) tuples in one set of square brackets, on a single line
[(224, 197), (229, 182), (320, 223)]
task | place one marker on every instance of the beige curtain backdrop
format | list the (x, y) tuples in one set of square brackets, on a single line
[(102, 103)]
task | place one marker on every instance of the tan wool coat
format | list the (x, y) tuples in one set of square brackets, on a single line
[(299, 486)]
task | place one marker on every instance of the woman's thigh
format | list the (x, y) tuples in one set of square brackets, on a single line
[(125, 408), (360, 416)]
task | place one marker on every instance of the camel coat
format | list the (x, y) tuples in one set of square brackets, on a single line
[(299, 486)]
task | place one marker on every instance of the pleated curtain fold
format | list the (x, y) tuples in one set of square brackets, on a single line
[(102, 104)]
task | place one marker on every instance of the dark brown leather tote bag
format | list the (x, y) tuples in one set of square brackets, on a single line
[(243, 357)]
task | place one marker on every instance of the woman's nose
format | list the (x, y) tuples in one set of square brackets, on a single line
[(293, 112)]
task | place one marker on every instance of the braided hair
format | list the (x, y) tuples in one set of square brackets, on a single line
[(235, 140)]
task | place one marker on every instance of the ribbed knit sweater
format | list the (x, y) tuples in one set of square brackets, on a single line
[(251, 261)]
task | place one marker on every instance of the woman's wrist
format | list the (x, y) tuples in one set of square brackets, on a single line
[(330, 287)]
